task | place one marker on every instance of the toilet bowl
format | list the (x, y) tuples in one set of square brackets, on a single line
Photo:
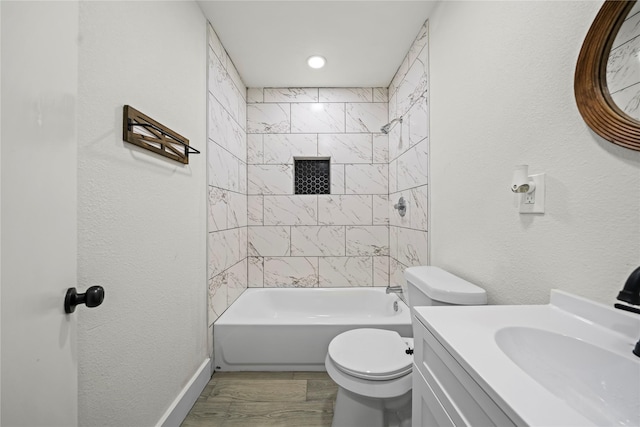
[(373, 367), (360, 357)]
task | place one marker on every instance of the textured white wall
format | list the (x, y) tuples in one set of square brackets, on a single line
[(502, 94), (142, 217)]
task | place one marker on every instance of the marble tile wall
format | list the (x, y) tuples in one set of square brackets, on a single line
[(623, 75), (227, 177), (409, 160), (340, 239), (263, 235)]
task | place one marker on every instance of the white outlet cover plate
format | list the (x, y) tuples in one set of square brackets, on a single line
[(538, 206)]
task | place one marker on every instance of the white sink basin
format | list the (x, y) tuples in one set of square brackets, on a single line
[(603, 386)]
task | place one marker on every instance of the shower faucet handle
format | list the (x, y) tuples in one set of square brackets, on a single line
[(401, 206)]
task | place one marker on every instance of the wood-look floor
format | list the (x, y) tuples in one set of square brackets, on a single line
[(269, 399)]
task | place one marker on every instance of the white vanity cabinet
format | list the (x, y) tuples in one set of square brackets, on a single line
[(444, 394)]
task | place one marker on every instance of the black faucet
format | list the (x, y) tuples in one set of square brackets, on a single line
[(631, 295)]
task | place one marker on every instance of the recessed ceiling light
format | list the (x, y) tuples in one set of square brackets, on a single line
[(316, 61)]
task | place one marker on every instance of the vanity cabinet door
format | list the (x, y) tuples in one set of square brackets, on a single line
[(426, 408), (464, 401)]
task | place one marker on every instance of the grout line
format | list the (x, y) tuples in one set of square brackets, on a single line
[(345, 118), (345, 240), (372, 272)]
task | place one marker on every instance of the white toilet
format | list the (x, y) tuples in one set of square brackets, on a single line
[(372, 367)]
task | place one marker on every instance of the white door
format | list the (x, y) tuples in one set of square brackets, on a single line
[(39, 61)]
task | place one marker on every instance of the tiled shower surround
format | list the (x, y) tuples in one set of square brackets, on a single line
[(408, 160), (263, 235), (227, 171), (340, 239)]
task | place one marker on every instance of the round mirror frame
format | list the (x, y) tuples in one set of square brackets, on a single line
[(597, 108)]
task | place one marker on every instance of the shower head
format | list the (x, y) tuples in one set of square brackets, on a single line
[(387, 128)]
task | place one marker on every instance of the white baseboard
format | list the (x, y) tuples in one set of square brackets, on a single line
[(180, 407)]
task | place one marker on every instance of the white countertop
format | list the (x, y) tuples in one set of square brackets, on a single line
[(468, 333)]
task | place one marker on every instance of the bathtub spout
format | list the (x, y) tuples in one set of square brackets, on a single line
[(394, 289)]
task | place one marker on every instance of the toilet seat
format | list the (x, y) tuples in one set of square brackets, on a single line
[(371, 354)]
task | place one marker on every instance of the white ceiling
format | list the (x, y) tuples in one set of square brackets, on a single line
[(269, 41)]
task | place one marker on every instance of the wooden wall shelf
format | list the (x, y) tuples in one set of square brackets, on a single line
[(141, 130)]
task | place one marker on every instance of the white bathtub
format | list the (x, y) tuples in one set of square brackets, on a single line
[(289, 329)]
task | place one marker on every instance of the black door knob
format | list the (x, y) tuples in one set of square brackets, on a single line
[(93, 297)]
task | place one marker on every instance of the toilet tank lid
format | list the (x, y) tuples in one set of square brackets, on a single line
[(440, 285)]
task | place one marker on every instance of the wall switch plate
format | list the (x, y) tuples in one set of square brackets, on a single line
[(534, 203)]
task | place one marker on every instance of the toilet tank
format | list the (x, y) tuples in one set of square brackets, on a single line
[(429, 285)]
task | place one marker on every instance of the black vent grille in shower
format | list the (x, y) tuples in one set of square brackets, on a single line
[(312, 177)]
